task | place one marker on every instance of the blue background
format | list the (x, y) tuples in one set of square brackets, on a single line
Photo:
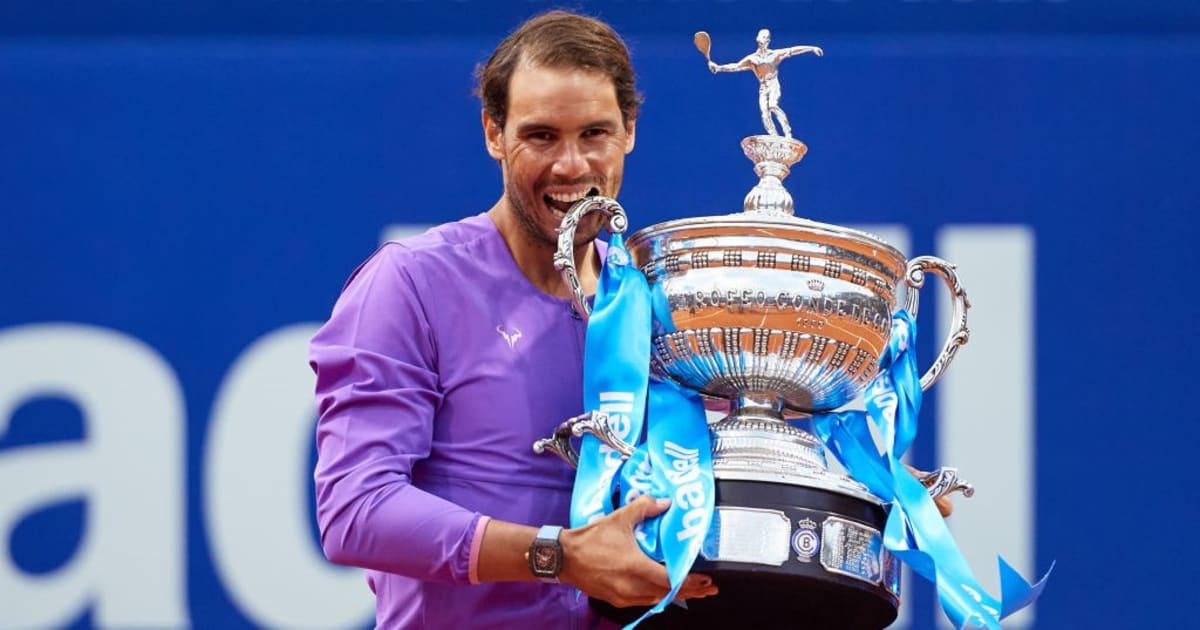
[(196, 174)]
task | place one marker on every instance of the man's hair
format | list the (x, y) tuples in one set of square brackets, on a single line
[(558, 39)]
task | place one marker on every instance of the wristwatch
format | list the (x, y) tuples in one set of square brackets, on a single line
[(546, 554)]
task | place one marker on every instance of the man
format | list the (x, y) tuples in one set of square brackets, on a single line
[(764, 62), (449, 354)]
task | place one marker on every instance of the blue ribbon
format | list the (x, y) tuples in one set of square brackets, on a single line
[(615, 377), (915, 531), (681, 462), (673, 458)]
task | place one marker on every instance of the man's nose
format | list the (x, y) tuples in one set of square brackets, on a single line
[(571, 161)]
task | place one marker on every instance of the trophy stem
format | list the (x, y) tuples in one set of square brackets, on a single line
[(754, 435), (755, 443), (761, 406)]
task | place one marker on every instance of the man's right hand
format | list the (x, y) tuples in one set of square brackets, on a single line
[(604, 560)]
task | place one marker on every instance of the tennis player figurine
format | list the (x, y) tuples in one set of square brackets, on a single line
[(764, 62)]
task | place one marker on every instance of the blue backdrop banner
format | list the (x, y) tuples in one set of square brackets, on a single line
[(185, 187)]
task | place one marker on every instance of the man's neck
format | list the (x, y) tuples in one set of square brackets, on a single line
[(535, 257)]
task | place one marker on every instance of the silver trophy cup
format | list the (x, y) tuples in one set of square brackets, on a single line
[(781, 317)]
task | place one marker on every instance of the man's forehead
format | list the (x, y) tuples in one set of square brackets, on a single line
[(534, 85)]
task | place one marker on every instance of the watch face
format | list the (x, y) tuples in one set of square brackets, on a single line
[(545, 559)]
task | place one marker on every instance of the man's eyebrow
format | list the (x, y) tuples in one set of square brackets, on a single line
[(603, 124), (534, 127)]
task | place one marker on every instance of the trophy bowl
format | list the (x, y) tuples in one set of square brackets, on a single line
[(769, 305)]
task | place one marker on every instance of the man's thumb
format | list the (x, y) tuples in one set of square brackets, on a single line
[(646, 506)]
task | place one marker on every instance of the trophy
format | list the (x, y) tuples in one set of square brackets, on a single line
[(776, 315)]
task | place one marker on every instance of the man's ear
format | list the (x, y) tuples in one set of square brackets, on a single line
[(630, 135), (493, 137)]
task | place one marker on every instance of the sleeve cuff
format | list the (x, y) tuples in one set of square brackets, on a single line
[(476, 543)]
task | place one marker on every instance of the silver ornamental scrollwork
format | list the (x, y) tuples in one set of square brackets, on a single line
[(593, 423), (959, 334), (944, 481), (564, 258), (559, 443)]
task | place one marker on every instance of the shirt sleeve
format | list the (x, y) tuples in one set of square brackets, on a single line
[(377, 393)]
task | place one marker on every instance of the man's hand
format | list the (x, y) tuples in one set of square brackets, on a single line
[(603, 560), (944, 505)]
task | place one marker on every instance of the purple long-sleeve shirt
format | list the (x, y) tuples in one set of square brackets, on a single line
[(438, 369)]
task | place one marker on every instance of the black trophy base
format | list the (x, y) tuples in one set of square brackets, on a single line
[(802, 593)]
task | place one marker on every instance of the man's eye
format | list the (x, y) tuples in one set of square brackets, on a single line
[(541, 136), (595, 133)]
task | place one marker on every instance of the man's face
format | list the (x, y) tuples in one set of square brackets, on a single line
[(764, 38), (564, 139)]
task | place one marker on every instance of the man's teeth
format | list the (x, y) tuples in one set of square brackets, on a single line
[(560, 203), (567, 197)]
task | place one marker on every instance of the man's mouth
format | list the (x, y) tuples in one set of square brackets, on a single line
[(560, 202)]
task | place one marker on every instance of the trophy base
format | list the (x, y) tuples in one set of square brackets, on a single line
[(787, 556)]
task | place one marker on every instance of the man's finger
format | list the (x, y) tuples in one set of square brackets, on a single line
[(697, 580), (694, 593), (697, 585)]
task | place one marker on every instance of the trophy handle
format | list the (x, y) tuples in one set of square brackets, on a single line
[(559, 443), (914, 277), (564, 258), (593, 422), (944, 481), (596, 423)]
